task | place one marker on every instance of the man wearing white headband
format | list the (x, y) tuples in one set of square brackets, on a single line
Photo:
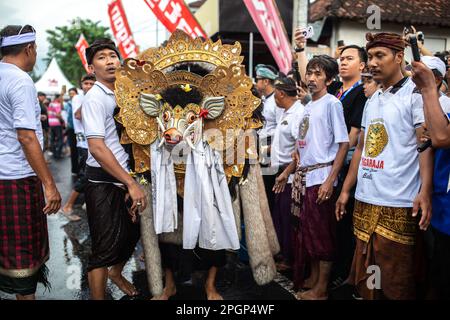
[(437, 118), (23, 170)]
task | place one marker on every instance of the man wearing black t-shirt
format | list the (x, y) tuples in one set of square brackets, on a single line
[(351, 94)]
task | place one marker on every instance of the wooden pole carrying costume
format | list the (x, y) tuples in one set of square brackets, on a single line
[(194, 132)]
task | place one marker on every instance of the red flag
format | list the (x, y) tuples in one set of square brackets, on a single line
[(81, 46), (267, 18), (121, 30), (174, 14)]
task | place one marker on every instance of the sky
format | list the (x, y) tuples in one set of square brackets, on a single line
[(47, 14)]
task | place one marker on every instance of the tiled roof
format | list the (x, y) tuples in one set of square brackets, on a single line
[(415, 12)]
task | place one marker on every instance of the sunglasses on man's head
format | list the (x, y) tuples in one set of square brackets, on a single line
[(25, 26)]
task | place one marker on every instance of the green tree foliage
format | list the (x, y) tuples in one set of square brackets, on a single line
[(62, 42)]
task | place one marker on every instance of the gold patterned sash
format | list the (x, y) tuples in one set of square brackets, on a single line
[(395, 224)]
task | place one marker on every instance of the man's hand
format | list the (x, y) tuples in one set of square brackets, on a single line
[(299, 38), (78, 114), (341, 204), (301, 93), (337, 52), (325, 192), (423, 202), (422, 76), (43, 117), (425, 134), (280, 183), (138, 197), (53, 199)]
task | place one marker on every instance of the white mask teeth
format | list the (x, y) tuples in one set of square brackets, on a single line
[(161, 143), (160, 124), (190, 144)]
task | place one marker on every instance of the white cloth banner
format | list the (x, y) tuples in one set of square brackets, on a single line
[(164, 190), (208, 213)]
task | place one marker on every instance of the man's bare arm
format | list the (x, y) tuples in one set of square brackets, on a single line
[(35, 157), (353, 137), (437, 122), (423, 199)]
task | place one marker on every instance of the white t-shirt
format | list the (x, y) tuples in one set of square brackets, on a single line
[(388, 173), (283, 143), (445, 103), (321, 129), (272, 115), (98, 122), (77, 124), (19, 109)]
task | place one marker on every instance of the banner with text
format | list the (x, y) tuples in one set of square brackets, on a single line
[(121, 30), (174, 14), (81, 46), (267, 18)]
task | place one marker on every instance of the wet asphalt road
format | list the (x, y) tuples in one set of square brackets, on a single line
[(70, 247)]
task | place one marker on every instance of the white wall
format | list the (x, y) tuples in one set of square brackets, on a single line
[(354, 33)]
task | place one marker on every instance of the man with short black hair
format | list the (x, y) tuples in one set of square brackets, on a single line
[(322, 145), (23, 232), (394, 180), (283, 145), (114, 231), (265, 79), (437, 118)]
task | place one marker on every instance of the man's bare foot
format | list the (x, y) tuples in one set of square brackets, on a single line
[(308, 284), (311, 295), (212, 294), (167, 293), (123, 284), (283, 266)]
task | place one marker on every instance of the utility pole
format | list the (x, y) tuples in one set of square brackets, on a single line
[(300, 15)]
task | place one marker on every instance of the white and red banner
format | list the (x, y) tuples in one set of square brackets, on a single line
[(174, 14), (121, 30), (267, 18), (81, 46)]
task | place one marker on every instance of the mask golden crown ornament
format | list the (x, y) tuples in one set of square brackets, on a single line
[(194, 94), (227, 101)]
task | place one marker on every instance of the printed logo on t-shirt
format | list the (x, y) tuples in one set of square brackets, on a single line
[(376, 140), (303, 130)]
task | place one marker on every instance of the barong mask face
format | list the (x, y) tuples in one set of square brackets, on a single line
[(181, 123), (185, 92)]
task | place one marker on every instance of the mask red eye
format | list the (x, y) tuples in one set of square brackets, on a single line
[(191, 117), (166, 116)]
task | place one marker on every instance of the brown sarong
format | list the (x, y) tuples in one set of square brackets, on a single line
[(400, 265)]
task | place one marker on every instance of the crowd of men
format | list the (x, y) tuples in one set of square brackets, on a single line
[(347, 188)]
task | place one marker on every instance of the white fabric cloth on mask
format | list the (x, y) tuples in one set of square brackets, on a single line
[(164, 190), (208, 213)]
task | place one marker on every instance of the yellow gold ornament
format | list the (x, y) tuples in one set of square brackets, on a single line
[(153, 71)]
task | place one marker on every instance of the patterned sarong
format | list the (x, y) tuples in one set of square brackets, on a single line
[(23, 231)]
